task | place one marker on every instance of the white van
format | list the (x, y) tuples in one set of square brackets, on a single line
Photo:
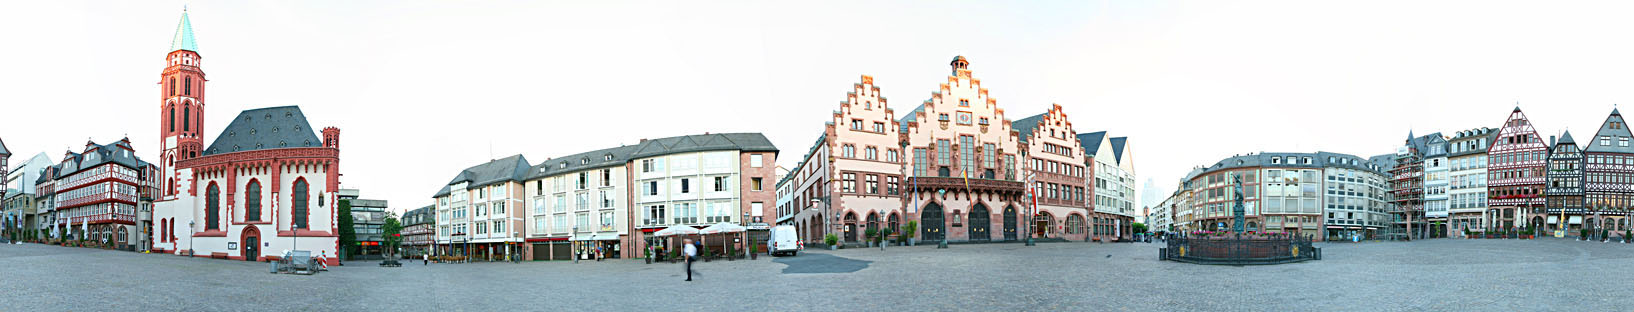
[(784, 240)]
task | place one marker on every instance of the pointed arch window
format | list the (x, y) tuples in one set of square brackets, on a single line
[(172, 86), (172, 119), (187, 117), (252, 201), (212, 210), (187, 86), (297, 204)]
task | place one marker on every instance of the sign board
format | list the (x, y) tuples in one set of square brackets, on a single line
[(759, 226), (232, 246)]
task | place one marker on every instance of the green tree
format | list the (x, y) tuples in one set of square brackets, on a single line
[(1139, 227), (391, 233), (348, 235)]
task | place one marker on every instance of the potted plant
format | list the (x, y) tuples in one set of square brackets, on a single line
[(871, 234), (879, 240), (754, 252), (1583, 234), (909, 229), (1604, 235), (831, 240)]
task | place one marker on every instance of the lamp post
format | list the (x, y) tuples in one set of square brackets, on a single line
[(189, 238), (576, 248)]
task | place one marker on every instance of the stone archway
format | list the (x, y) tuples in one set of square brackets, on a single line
[(932, 223), (249, 244), (979, 222), (1010, 223), (851, 227)]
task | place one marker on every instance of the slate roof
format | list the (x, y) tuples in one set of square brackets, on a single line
[(513, 168), (418, 216), (1607, 130), (1025, 126), (265, 128), (1117, 148), (1091, 142), (95, 155), (582, 161), (748, 142), (1489, 133), (184, 36), (1433, 141), (3, 150), (1318, 160), (1421, 143), (912, 116)]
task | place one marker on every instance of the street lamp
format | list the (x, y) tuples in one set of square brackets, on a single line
[(576, 249), (189, 238)]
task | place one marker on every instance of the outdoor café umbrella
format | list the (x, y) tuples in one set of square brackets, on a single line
[(722, 228), (676, 230)]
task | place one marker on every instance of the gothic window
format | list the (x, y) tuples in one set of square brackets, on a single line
[(212, 210), (187, 86), (297, 204), (172, 86), (252, 201), (187, 117), (172, 118)]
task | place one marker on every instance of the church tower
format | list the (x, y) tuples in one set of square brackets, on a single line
[(181, 104)]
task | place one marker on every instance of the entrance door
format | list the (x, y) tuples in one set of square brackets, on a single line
[(980, 220), (1041, 223), (1010, 223), (251, 248), (931, 219)]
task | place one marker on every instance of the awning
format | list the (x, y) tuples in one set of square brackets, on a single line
[(546, 239), (1554, 219), (1574, 220)]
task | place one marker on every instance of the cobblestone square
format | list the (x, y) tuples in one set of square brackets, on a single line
[(1485, 275)]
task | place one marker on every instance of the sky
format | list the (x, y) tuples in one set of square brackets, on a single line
[(424, 89)]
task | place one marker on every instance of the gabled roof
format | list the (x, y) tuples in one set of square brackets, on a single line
[(265, 128), (748, 142), (508, 169), (912, 116), (3, 150), (1025, 126), (1566, 138), (1091, 142), (119, 152), (184, 36), (1117, 148), (582, 161), (1615, 133)]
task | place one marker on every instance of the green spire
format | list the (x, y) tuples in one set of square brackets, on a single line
[(184, 36)]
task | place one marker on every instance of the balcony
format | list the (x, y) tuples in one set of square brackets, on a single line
[(932, 184)]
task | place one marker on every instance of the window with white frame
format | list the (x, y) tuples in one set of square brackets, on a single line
[(755, 160)]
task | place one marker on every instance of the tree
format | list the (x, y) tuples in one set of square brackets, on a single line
[(391, 233), (348, 235), (1139, 227)]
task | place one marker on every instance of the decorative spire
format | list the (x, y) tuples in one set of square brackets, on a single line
[(184, 35)]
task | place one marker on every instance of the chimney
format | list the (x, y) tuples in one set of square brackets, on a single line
[(1551, 141)]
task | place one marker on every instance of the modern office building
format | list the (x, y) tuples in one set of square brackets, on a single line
[(1515, 170), (699, 180), (368, 216), (1466, 189), (1564, 189)]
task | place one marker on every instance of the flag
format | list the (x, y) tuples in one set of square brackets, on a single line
[(966, 174)]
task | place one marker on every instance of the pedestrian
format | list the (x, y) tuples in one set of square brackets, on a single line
[(425, 259), (689, 252)]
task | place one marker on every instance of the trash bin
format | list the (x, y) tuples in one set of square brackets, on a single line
[(274, 269)]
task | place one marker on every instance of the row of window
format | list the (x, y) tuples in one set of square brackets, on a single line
[(856, 124), (298, 204), (1045, 165), (869, 153)]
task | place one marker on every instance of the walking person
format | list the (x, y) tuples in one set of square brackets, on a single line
[(425, 259), (689, 253)]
